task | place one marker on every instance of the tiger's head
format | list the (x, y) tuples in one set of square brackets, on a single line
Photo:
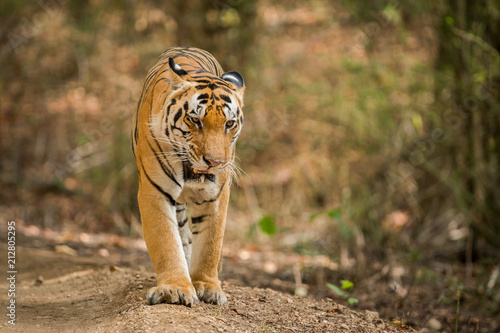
[(204, 117)]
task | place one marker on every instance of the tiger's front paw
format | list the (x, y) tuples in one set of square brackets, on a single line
[(210, 292), (166, 293)]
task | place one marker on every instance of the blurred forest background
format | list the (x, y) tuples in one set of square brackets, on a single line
[(371, 137)]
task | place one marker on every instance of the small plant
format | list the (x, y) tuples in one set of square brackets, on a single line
[(344, 285), (267, 224)]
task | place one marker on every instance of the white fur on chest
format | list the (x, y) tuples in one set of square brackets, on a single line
[(198, 191)]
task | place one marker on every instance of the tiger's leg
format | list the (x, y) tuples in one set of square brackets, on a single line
[(164, 244), (184, 230), (208, 225)]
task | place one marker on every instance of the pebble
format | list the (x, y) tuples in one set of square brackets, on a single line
[(301, 291), (103, 252), (270, 267), (434, 324)]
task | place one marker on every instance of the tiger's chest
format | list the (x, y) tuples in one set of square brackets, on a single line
[(200, 189)]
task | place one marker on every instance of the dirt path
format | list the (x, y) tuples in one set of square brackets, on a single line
[(85, 294)]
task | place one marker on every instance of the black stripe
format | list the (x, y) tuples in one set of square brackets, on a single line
[(213, 62), (182, 223), (162, 191), (202, 58), (203, 75), (204, 201), (172, 103), (199, 76), (206, 58), (189, 56), (225, 98), (177, 115), (183, 132), (199, 219), (169, 172), (234, 139), (212, 87), (203, 81), (185, 64), (163, 167), (211, 79)]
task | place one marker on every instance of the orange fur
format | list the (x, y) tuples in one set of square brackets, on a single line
[(185, 128)]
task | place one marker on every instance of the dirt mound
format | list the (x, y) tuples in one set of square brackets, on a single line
[(59, 293)]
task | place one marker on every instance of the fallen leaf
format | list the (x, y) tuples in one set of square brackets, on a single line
[(65, 249)]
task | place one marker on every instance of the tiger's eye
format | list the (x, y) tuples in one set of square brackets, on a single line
[(194, 119), (229, 123)]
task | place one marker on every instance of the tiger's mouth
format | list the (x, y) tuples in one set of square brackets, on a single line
[(191, 173)]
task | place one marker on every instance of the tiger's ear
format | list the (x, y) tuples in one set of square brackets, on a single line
[(176, 68), (237, 80), (178, 77)]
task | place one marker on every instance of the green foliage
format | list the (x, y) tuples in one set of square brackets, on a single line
[(336, 290), (352, 300), (463, 84), (345, 285), (268, 225)]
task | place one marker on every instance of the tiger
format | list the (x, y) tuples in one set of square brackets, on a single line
[(188, 118)]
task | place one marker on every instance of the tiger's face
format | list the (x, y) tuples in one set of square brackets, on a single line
[(204, 118)]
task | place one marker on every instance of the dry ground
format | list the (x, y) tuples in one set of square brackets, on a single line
[(58, 292)]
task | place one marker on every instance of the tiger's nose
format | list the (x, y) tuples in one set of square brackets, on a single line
[(211, 163)]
